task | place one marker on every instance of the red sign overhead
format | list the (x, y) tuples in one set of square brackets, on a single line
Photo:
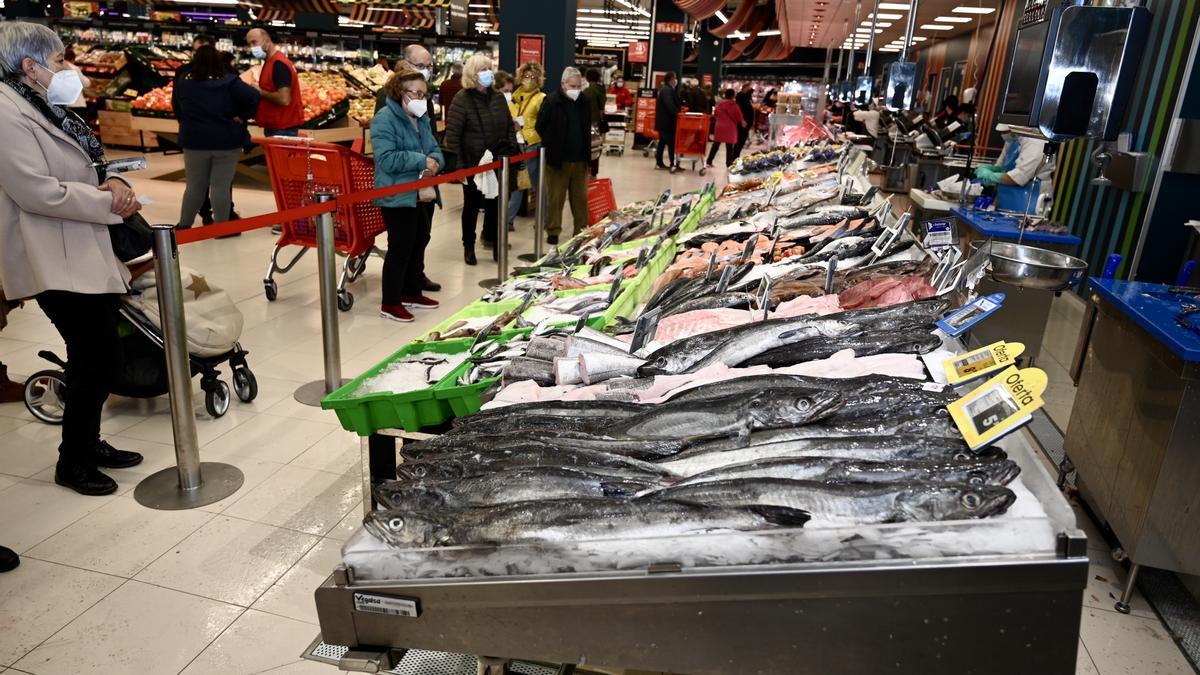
[(669, 27), (531, 48), (639, 52)]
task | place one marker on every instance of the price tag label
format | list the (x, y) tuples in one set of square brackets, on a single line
[(999, 405), (830, 272), (939, 234), (645, 329), (975, 311), (749, 249), (982, 361)]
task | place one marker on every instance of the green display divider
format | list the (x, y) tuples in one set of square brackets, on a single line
[(476, 310)]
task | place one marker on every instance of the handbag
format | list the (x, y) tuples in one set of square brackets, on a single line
[(132, 238)]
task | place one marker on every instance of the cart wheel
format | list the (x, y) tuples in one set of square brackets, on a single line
[(345, 301), (245, 385), (45, 395), (703, 170), (645, 153), (271, 289), (216, 399)]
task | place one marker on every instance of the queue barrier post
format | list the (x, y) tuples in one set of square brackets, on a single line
[(501, 242), (190, 483), (331, 346), (539, 220)]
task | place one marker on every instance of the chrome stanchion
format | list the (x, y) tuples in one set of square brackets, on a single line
[(191, 483), (501, 230), (312, 393), (539, 219)]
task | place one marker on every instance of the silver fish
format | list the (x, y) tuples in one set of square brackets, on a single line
[(502, 487), (833, 469), (482, 462), (733, 416)]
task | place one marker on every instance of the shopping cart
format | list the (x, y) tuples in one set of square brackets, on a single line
[(601, 200), (691, 139), (614, 138), (300, 168)]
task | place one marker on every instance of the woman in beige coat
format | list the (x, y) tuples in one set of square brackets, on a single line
[(56, 204)]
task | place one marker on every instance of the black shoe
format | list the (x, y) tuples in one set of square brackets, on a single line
[(111, 458), (552, 239), (469, 255), (431, 286), (9, 560), (495, 253), (206, 219), (489, 243), (233, 215), (84, 479), (660, 166)]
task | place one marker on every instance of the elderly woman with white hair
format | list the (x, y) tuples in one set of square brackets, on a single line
[(478, 122), (56, 205)]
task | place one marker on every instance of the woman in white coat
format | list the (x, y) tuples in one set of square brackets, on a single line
[(55, 208)]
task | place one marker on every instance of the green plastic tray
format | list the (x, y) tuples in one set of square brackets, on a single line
[(467, 399), (411, 411)]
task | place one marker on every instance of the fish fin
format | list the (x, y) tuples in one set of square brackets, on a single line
[(782, 515)]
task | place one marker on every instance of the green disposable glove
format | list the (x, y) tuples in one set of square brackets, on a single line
[(988, 175)]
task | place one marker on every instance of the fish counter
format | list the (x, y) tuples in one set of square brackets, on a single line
[(748, 467)]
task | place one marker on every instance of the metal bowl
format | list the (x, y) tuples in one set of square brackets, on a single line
[(1032, 267)]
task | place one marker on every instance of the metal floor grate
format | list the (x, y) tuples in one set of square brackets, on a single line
[(419, 662)]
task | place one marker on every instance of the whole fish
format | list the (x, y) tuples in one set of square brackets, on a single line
[(844, 248), (828, 215), (865, 344), (709, 456), (550, 438), (852, 503), (752, 384), (574, 409), (731, 416), (569, 520), (481, 462), (721, 301), (833, 469), (756, 338), (876, 405), (503, 487)]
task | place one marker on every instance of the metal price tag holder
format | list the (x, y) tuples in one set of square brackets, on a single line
[(712, 265), (749, 248), (889, 237), (723, 282), (646, 327), (765, 302), (830, 272)]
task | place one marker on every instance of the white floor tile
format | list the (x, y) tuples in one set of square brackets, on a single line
[(268, 437), (300, 499), (1083, 662), (228, 559), (139, 628), (39, 598), (338, 452), (1106, 582), (158, 427), (349, 525), (254, 472), (292, 595), (34, 511), (28, 447), (1130, 645), (256, 643), (120, 538), (8, 481)]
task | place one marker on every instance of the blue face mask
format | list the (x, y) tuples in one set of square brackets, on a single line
[(258, 52), (486, 78)]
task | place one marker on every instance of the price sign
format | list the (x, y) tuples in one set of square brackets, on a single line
[(645, 329), (939, 234), (723, 282), (975, 311), (999, 405), (982, 361)]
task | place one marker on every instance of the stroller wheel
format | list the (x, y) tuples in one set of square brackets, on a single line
[(345, 301), (245, 385), (216, 399), (271, 289), (45, 396)]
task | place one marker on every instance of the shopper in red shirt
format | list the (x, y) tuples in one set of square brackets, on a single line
[(450, 86), (729, 121), (624, 96), (281, 109)]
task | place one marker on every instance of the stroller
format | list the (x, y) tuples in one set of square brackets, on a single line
[(214, 326)]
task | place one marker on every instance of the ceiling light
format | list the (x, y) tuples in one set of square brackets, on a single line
[(936, 26), (974, 10), (918, 38), (902, 6), (767, 33), (890, 49), (721, 15), (878, 24), (954, 19), (889, 17)]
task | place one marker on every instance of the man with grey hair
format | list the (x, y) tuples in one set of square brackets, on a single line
[(565, 125)]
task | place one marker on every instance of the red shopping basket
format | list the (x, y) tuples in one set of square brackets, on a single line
[(691, 137), (300, 168), (601, 200)]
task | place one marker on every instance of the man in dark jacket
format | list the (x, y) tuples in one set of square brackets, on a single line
[(565, 123), (450, 86), (745, 101), (666, 110), (597, 99)]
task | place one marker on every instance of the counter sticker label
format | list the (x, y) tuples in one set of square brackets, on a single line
[(999, 405), (975, 311), (939, 234), (383, 604), (982, 361)]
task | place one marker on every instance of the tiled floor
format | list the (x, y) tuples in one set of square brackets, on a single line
[(107, 586)]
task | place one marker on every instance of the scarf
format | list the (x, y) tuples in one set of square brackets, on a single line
[(66, 120)]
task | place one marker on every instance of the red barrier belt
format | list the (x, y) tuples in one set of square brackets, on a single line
[(341, 201)]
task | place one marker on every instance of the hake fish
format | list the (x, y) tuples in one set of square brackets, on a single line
[(570, 520), (834, 469), (502, 487), (482, 462), (731, 416), (865, 344), (851, 503)]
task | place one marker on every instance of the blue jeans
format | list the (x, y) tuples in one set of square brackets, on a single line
[(515, 200)]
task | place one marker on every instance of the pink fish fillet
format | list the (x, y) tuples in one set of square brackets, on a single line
[(845, 364), (686, 324), (807, 304)]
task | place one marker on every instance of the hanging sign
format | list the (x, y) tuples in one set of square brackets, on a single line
[(982, 361), (999, 405), (638, 52), (669, 27), (531, 48)]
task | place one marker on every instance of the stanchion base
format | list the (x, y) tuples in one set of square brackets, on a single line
[(529, 257), (311, 394), (161, 490), (490, 283)]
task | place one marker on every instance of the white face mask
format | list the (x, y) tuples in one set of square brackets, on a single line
[(573, 94), (258, 52), (508, 96), (425, 73), (418, 107), (65, 86)]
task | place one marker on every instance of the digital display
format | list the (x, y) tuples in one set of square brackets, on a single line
[(1026, 66)]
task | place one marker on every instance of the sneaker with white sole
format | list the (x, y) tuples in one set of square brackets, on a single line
[(396, 313), (420, 302)]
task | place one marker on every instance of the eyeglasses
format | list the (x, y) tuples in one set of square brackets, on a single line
[(418, 95), (529, 77)]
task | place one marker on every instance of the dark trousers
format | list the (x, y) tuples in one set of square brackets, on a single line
[(473, 202), (730, 153), (404, 266), (88, 325), (666, 141), (743, 136)]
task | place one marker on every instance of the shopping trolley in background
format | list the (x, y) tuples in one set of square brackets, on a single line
[(691, 139), (300, 168)]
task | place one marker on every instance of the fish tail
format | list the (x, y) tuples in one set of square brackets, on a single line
[(782, 515)]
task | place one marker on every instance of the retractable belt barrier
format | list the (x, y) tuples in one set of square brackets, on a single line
[(339, 202)]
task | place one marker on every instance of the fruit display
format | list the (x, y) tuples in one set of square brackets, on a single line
[(373, 78), (101, 61), (362, 110), (321, 93), (156, 100)]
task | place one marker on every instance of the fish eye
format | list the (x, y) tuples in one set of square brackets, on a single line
[(419, 471), (962, 456), (971, 501), (976, 478), (803, 404), (396, 524)]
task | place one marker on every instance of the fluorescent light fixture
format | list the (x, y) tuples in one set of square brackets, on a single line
[(936, 26), (889, 49), (902, 6), (635, 8), (889, 17), (867, 31), (723, 19), (878, 24), (974, 10), (767, 33), (918, 38), (954, 19)]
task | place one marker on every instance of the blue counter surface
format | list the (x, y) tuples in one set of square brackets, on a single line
[(997, 226), (1152, 308)]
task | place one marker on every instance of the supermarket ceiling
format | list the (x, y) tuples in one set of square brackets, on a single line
[(798, 23)]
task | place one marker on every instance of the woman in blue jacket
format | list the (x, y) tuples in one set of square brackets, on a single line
[(405, 151), (212, 106)]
